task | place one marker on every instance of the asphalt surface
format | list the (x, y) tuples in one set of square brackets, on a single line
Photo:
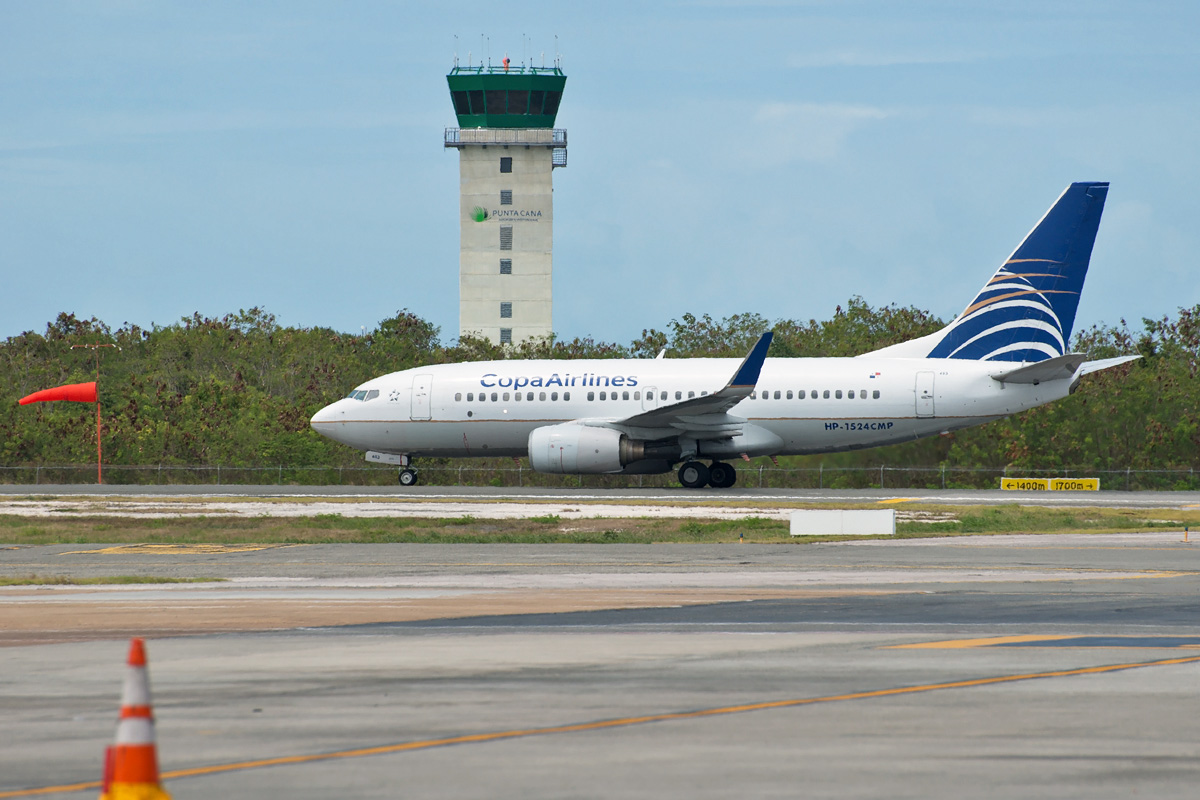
[(1013, 666)]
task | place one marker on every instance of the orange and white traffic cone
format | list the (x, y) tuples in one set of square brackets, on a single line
[(131, 765)]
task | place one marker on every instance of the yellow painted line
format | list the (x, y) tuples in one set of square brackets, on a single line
[(955, 644), (899, 500), (622, 722), (175, 549)]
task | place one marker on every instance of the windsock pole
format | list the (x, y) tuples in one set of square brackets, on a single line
[(131, 765), (95, 348)]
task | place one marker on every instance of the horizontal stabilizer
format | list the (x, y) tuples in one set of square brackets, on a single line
[(1052, 369), (1105, 363)]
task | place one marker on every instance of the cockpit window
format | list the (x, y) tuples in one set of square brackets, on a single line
[(371, 395), (363, 394)]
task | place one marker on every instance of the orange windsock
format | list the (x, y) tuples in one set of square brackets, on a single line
[(131, 765), (75, 392)]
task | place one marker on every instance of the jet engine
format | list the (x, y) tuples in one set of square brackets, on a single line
[(572, 448)]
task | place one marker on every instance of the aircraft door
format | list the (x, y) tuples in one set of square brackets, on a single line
[(649, 398), (422, 388), (924, 394)]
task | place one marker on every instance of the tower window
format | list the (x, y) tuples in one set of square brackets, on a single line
[(506, 237), (506, 197), (461, 106), (506, 164), (506, 311), (518, 101), (497, 101), (506, 266), (535, 101), (476, 97), (552, 101), (506, 336)]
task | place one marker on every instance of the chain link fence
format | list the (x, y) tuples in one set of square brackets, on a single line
[(434, 474)]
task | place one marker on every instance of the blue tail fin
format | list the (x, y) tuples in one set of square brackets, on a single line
[(1027, 310)]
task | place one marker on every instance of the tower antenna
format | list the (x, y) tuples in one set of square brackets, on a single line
[(456, 51)]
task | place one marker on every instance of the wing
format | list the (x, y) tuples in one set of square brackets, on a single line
[(704, 417)]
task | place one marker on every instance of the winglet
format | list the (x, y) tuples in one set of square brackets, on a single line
[(747, 374)]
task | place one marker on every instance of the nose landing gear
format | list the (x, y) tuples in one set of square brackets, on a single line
[(408, 477)]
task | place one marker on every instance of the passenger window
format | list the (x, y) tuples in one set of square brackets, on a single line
[(679, 395), (494, 397), (470, 397), (703, 393), (664, 396), (863, 394), (754, 395), (554, 395), (691, 395), (838, 394), (604, 395), (624, 395), (638, 395), (517, 397), (566, 395), (826, 395), (776, 394), (506, 396), (541, 395), (875, 394), (591, 396), (789, 394), (458, 397), (813, 394), (614, 396), (850, 394), (529, 396)]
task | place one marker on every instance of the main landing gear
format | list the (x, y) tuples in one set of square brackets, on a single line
[(694, 475)]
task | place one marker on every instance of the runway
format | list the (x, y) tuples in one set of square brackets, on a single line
[(1004, 666)]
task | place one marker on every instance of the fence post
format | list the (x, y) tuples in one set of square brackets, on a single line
[(760, 469), (943, 477), (37, 476), (881, 476), (218, 474), (520, 472), (821, 475)]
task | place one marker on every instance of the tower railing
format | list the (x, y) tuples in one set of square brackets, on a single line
[(548, 137)]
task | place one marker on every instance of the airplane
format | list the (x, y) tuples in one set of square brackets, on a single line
[(1005, 353)]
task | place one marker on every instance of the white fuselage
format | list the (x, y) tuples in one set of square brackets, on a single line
[(812, 405)]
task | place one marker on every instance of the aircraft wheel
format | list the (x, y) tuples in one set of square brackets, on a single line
[(721, 475), (693, 475), (408, 477)]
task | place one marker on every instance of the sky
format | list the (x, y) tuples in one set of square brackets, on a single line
[(159, 159)]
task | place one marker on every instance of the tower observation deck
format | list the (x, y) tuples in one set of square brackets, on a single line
[(508, 149)]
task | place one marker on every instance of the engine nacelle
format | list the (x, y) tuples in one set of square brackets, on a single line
[(575, 449)]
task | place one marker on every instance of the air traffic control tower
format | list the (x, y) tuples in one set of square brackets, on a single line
[(508, 148)]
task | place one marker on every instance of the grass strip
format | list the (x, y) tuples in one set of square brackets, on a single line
[(67, 580), (553, 529)]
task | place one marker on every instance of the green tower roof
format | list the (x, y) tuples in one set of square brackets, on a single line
[(493, 97)]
